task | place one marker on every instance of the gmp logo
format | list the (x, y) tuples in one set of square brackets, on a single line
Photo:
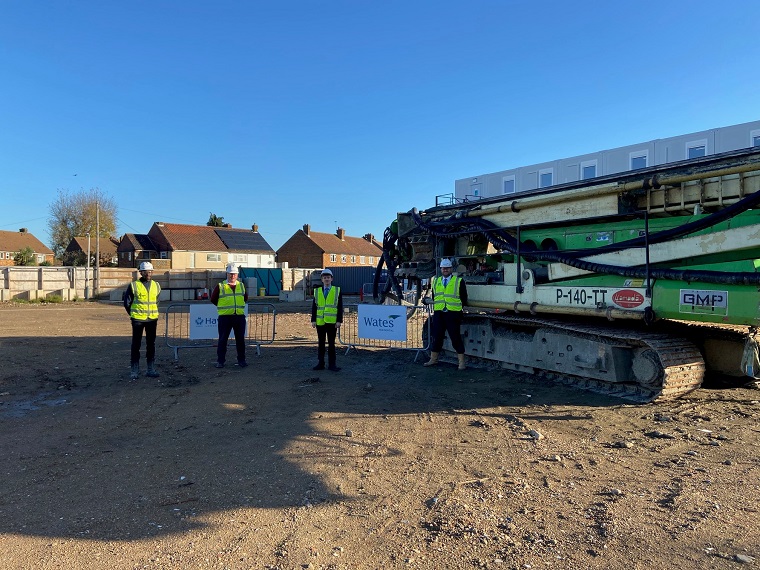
[(705, 299)]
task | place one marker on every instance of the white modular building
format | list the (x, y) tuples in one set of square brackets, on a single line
[(607, 162)]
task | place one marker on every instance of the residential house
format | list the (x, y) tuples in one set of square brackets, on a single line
[(307, 248), (183, 246), (136, 248), (76, 252), (13, 242)]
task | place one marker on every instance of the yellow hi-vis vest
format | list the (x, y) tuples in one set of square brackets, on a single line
[(144, 302), (446, 298), (231, 302), (327, 308)]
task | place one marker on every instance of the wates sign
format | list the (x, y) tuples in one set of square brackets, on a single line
[(384, 322)]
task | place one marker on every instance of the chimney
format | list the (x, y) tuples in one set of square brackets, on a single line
[(227, 225), (341, 233), (306, 229), (23, 230), (255, 228), (369, 237)]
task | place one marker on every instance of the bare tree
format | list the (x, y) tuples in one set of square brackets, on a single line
[(74, 214)]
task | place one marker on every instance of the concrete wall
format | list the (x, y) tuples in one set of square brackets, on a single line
[(69, 282)]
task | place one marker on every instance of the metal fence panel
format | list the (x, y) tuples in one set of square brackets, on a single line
[(260, 327), (417, 331)]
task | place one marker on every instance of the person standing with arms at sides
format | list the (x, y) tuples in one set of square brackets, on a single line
[(230, 298), (449, 296), (326, 317), (141, 302)]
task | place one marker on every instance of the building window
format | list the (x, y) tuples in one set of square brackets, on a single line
[(353, 259), (129, 256), (164, 255), (639, 159), (213, 257), (333, 258), (371, 260), (754, 138), (588, 169), (146, 255), (696, 149), (476, 190), (508, 185), (362, 260), (545, 177), (342, 258), (239, 257)]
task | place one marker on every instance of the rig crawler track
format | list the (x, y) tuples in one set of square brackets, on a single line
[(647, 366)]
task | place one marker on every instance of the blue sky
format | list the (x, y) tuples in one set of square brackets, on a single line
[(342, 113)]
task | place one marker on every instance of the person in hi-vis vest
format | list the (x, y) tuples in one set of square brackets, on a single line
[(449, 296), (141, 302), (230, 298), (326, 317)]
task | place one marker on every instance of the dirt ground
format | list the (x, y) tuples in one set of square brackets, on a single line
[(385, 464)]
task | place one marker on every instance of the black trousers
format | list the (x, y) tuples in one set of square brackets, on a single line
[(326, 332), (150, 340), (448, 322), (225, 324)]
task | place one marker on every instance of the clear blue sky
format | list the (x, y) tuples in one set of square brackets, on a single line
[(342, 113)]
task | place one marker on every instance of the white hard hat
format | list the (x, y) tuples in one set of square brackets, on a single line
[(445, 262), (327, 272), (146, 266), (232, 268)]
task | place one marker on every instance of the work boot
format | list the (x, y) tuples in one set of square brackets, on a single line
[(135, 373), (433, 359), (462, 365), (152, 372)]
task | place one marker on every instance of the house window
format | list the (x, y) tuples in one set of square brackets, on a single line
[(362, 260), (146, 254), (545, 177), (239, 257), (333, 258), (588, 169), (754, 138), (129, 255), (371, 260), (508, 185), (213, 257), (353, 259), (342, 258), (164, 255), (696, 149), (639, 159)]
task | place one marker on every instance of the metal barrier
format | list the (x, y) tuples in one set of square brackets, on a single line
[(417, 331), (260, 327)]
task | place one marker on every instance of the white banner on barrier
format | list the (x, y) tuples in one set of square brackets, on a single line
[(384, 322), (203, 321)]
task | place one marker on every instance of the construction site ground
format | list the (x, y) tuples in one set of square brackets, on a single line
[(384, 464)]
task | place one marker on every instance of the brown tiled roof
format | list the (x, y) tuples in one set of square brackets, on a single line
[(183, 237), (136, 242), (331, 243), (79, 243), (16, 241)]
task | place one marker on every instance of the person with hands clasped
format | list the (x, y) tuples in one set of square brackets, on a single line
[(141, 302), (449, 296), (230, 298), (326, 317)]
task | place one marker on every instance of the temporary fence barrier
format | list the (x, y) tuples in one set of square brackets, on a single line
[(260, 327), (417, 331)]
